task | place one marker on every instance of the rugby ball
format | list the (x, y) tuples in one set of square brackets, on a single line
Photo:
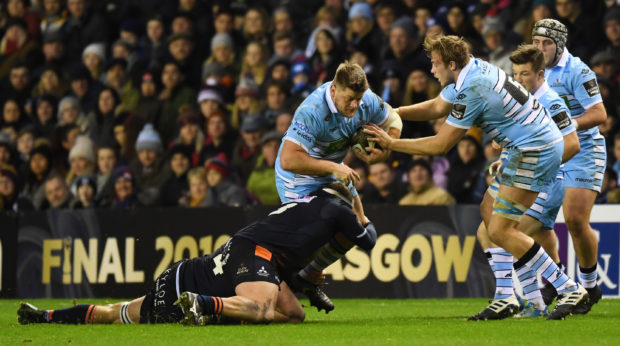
[(359, 141)]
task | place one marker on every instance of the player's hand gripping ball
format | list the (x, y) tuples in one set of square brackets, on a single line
[(359, 141)]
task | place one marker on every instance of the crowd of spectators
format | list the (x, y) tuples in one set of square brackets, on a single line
[(142, 103)]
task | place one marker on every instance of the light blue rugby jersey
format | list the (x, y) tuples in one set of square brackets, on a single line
[(487, 97), (576, 83), (324, 133), (557, 108)]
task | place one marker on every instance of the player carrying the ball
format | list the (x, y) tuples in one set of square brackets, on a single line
[(315, 144)]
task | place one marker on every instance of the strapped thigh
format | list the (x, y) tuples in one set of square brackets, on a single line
[(505, 207)]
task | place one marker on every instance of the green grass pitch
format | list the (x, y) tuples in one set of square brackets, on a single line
[(353, 322)]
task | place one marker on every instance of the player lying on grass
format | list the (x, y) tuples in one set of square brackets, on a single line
[(241, 280)]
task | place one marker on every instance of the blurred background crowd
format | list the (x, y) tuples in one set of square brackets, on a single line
[(143, 103)]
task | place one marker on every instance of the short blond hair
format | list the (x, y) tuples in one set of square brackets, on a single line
[(450, 48), (351, 75), (198, 173)]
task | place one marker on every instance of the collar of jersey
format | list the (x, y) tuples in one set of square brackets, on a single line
[(331, 105), (542, 90), (464, 71), (563, 58)]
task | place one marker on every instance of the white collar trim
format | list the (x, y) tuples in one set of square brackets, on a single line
[(563, 58), (542, 90), (328, 98), (464, 71)]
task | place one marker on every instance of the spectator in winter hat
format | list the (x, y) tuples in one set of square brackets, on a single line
[(209, 100), (422, 189), (150, 169), (222, 191), (261, 182), (86, 192), (148, 145), (93, 58), (247, 150), (300, 75), (176, 185), (10, 198), (362, 34), (246, 101), (125, 189)]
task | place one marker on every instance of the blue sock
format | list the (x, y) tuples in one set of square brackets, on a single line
[(502, 269), (588, 276), (537, 260)]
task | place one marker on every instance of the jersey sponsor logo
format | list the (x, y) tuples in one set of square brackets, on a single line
[(562, 120), (461, 96), (242, 269), (262, 272), (591, 87), (458, 111), (308, 137), (302, 127)]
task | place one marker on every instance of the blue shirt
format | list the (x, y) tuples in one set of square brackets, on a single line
[(557, 108), (325, 134), (575, 82), (485, 96)]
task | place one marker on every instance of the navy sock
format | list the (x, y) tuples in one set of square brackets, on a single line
[(79, 314), (210, 305)]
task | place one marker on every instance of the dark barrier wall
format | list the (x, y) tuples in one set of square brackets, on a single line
[(8, 254), (420, 252)]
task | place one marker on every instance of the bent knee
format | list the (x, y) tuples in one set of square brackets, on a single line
[(297, 317)]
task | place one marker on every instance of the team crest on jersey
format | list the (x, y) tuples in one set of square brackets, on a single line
[(591, 87), (458, 111)]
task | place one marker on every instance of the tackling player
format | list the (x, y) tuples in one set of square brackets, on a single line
[(538, 221), (240, 280), (317, 141), (476, 92), (575, 82)]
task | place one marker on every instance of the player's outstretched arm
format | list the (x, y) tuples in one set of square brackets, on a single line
[(294, 158), (427, 110), (440, 144)]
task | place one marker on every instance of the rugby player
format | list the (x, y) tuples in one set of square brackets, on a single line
[(315, 144), (583, 175), (538, 221), (241, 280), (477, 92)]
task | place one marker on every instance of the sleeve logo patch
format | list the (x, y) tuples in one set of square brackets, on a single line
[(458, 111), (555, 107), (591, 87), (562, 120), (461, 96)]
